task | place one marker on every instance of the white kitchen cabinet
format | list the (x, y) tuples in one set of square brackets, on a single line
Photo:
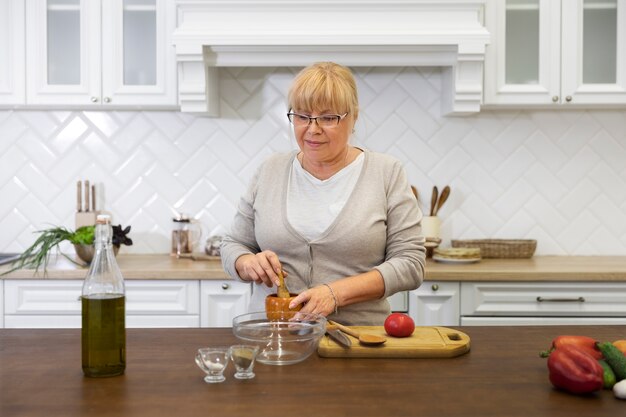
[(221, 301), (556, 52), (56, 303), (92, 53), (435, 304), (511, 303), (12, 50)]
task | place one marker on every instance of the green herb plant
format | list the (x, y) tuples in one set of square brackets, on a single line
[(38, 253)]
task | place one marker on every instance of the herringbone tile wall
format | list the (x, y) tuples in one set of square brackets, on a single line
[(555, 176)]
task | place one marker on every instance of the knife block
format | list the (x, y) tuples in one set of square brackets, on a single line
[(86, 218)]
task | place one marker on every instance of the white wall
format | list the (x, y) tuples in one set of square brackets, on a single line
[(555, 176)]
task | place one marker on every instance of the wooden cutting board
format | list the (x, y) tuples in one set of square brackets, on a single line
[(425, 342)]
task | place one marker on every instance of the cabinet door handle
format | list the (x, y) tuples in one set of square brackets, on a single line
[(225, 286), (561, 300), (568, 98), (94, 99), (555, 99), (107, 100)]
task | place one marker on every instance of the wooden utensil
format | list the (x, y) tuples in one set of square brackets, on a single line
[(433, 200), (282, 291), (445, 193), (415, 192), (364, 338)]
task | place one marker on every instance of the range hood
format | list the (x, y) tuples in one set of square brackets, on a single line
[(272, 33)]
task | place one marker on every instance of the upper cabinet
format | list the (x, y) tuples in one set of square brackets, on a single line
[(552, 52), (12, 87), (92, 53)]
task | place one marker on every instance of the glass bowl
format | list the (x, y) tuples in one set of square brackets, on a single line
[(280, 342)]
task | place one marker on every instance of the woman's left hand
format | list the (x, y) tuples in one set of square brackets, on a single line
[(318, 300)]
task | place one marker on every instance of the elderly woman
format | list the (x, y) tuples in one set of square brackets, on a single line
[(341, 222)]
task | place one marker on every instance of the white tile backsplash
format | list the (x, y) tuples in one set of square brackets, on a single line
[(556, 176)]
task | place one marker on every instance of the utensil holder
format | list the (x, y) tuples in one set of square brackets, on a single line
[(431, 226)]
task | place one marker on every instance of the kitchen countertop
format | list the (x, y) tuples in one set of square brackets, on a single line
[(538, 268), (502, 375)]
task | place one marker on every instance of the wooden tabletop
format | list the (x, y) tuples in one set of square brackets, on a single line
[(502, 375), (537, 268)]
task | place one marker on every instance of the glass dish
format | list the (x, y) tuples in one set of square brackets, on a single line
[(280, 342)]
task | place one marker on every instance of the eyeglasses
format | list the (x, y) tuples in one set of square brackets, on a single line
[(324, 120)]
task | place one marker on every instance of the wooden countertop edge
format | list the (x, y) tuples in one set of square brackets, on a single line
[(536, 269)]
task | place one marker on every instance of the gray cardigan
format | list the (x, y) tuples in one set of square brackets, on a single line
[(378, 228)]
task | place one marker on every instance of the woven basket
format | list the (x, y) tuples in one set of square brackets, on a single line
[(500, 248)]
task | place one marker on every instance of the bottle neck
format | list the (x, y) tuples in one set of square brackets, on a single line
[(103, 236)]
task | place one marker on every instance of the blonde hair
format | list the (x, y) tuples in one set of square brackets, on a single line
[(324, 86)]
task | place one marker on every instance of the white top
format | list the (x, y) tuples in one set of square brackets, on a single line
[(313, 204)]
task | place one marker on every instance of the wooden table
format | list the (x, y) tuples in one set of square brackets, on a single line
[(502, 375)]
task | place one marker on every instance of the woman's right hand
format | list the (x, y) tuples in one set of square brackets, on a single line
[(261, 268)]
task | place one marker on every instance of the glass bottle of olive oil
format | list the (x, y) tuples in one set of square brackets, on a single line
[(103, 335)]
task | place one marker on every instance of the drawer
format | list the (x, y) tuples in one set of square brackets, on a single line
[(543, 299), (162, 297)]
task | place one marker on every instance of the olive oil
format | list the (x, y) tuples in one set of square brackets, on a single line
[(103, 335)]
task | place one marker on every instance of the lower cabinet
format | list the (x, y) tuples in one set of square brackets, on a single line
[(454, 303), (149, 303), (542, 303), (221, 301), (435, 304), (214, 303)]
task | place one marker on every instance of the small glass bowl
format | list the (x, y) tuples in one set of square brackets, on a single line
[(280, 342), (213, 361), (243, 357)]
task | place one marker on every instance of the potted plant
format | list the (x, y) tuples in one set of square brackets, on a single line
[(82, 239)]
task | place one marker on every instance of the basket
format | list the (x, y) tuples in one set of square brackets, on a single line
[(500, 248)]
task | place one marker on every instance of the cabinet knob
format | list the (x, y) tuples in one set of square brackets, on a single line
[(434, 287), (568, 98), (107, 100), (225, 286), (555, 99), (94, 99)]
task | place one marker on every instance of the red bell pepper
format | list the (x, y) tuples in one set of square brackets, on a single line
[(574, 370), (585, 343)]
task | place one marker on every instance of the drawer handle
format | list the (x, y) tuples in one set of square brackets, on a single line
[(561, 300), (225, 286)]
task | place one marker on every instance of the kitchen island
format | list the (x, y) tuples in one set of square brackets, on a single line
[(502, 375)]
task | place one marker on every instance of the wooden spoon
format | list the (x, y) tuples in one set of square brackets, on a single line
[(415, 192), (282, 292), (364, 338), (433, 200), (445, 193)]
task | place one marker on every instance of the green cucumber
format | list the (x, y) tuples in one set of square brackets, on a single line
[(615, 358), (608, 375)]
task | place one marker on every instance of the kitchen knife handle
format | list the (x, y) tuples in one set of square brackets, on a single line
[(79, 196), (87, 198), (561, 300), (93, 197)]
